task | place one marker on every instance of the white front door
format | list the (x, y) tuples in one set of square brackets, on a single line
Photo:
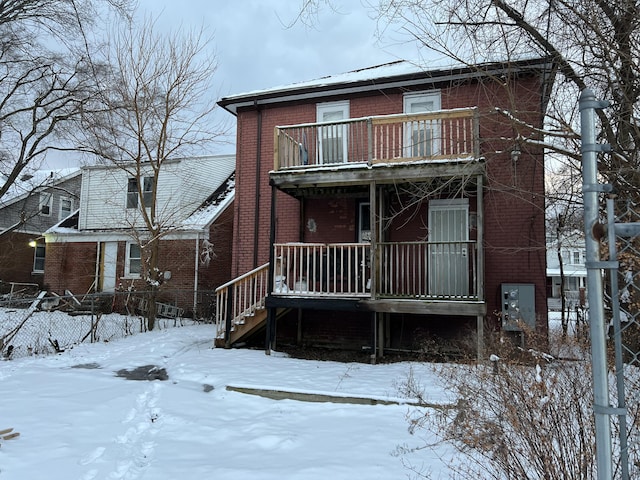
[(107, 266), (449, 256), (332, 139)]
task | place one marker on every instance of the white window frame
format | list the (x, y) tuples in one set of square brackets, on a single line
[(127, 264), (133, 198), (45, 201), (339, 111), (61, 214), (39, 247), (417, 103)]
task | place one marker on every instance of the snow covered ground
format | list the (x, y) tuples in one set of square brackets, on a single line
[(79, 420)]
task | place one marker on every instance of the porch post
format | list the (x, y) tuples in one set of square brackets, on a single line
[(270, 330), (374, 256), (480, 261)]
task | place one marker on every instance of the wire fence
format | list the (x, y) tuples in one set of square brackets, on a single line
[(37, 323)]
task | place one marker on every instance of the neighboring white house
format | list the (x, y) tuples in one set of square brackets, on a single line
[(572, 252), (98, 248)]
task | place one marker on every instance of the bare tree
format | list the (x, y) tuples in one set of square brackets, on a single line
[(45, 50), (156, 104), (564, 218)]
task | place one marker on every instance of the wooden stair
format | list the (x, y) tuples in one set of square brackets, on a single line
[(245, 327)]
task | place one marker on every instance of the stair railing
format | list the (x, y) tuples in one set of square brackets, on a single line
[(240, 298)]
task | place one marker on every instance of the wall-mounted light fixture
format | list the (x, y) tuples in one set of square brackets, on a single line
[(515, 154), (34, 243)]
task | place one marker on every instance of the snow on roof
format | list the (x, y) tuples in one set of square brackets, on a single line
[(213, 207), (375, 77), (28, 182), (391, 69)]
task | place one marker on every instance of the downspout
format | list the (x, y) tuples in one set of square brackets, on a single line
[(196, 271), (256, 221)]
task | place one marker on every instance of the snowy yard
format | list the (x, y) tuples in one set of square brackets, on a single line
[(79, 420)]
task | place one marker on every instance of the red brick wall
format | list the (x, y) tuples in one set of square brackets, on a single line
[(219, 269), (70, 266), (514, 197), (16, 259)]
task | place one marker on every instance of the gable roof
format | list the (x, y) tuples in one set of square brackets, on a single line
[(26, 184), (215, 186), (401, 73)]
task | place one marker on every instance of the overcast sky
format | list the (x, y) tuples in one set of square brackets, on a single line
[(259, 45), (256, 50)]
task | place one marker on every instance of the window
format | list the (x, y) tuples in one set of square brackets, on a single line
[(45, 204), (332, 139), (66, 207), (576, 258), (132, 192), (133, 267), (421, 135), (38, 258), (364, 222)]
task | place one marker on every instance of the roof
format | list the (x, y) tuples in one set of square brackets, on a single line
[(401, 73), (211, 209), (39, 179)]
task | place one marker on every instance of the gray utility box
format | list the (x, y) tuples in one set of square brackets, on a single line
[(518, 306)]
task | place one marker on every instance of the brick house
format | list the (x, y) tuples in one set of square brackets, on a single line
[(390, 208), (98, 248), (34, 203)]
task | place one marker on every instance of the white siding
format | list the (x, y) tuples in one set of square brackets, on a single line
[(183, 186)]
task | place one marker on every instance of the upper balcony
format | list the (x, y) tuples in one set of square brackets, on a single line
[(448, 140)]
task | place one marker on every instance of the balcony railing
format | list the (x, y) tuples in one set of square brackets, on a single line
[(406, 270), (444, 134), (315, 269), (240, 297)]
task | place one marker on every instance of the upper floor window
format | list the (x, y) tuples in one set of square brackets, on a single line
[(332, 139), (132, 192), (422, 136), (576, 257), (66, 207), (45, 204)]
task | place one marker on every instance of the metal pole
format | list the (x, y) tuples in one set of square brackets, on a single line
[(617, 334), (591, 190)]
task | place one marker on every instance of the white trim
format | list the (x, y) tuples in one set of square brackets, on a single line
[(333, 131), (35, 257), (428, 142), (61, 200), (78, 237), (42, 203), (127, 261)]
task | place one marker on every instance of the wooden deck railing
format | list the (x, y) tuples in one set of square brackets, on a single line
[(410, 270), (313, 269), (434, 270), (388, 138), (239, 298)]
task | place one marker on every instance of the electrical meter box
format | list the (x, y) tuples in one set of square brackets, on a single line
[(518, 306)]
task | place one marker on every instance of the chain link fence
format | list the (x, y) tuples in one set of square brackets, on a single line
[(37, 323)]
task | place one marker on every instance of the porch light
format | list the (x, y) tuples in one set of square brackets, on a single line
[(515, 154), (34, 243)]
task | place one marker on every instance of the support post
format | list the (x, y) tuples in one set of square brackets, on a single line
[(480, 261), (270, 330), (588, 105)]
